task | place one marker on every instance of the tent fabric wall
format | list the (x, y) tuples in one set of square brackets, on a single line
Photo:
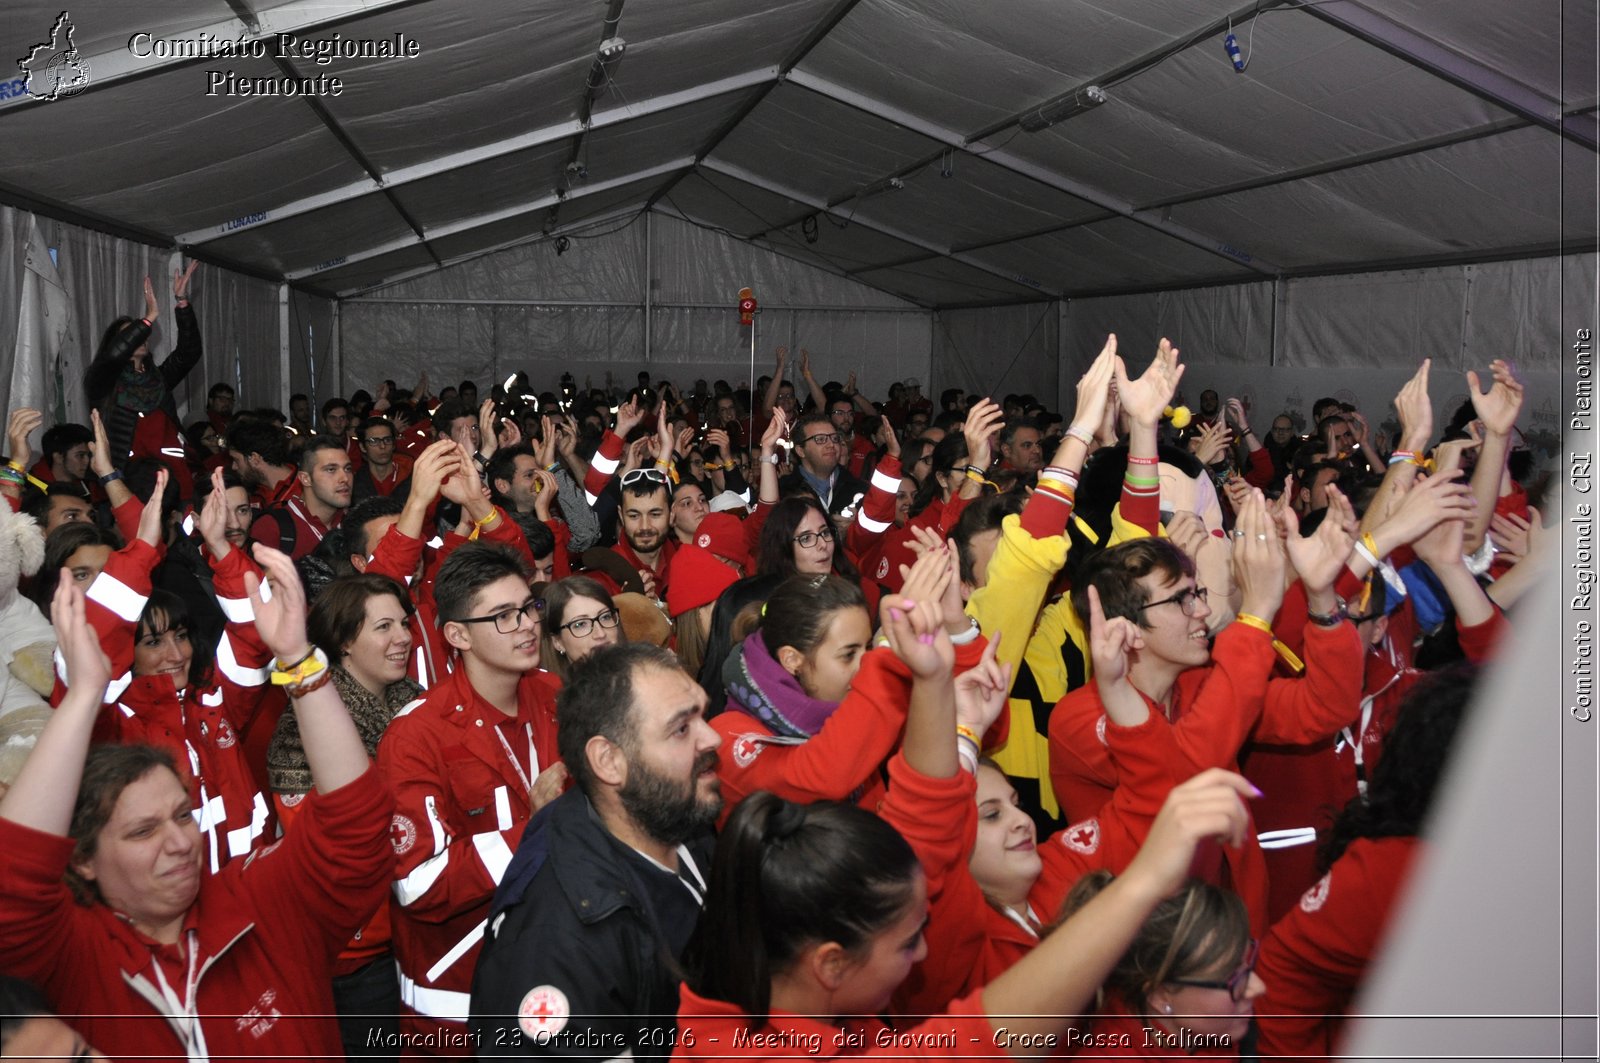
[(313, 354), (997, 350), (1463, 317), (104, 277), (584, 311)]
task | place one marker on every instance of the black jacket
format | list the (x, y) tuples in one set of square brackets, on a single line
[(103, 379), (582, 914), (847, 490)]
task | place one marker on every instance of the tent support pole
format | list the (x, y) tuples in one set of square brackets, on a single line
[(284, 386), (649, 283)]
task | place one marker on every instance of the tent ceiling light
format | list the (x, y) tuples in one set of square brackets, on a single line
[(1070, 106)]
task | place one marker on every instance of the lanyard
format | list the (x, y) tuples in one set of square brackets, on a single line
[(533, 758), (181, 1014), (1029, 924), (292, 504), (697, 888)]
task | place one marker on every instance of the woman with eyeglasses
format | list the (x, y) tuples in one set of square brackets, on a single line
[(1187, 985), (579, 618)]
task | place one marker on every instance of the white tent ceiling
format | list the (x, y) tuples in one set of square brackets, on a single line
[(1362, 133)]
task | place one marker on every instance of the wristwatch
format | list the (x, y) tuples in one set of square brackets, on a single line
[(1340, 614)]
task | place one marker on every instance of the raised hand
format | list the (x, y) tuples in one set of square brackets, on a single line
[(150, 516), (1208, 806), (1111, 643), (1236, 414), (925, 541), (509, 433), (1448, 456), (213, 520), (1212, 442), (1319, 559), (886, 438), (781, 355), (1498, 407), (1258, 561), (433, 466), (776, 428), (717, 439), (152, 309), (805, 362), (928, 577), (684, 441), (488, 438), (982, 420), (280, 610), (1442, 547), (1094, 388), (180, 282), (628, 417), (466, 487), (19, 427), (544, 493), (1144, 399), (1441, 496), (914, 632), (1512, 535), (547, 441), (664, 442), (88, 667), (1188, 533), (981, 690)]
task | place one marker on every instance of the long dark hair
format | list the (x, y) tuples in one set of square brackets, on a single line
[(775, 551), (1415, 755), (164, 611), (949, 454), (800, 610), (101, 376), (785, 876), (722, 639)]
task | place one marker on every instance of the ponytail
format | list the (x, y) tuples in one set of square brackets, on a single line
[(787, 876)]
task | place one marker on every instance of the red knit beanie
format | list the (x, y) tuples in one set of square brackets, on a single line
[(696, 578)]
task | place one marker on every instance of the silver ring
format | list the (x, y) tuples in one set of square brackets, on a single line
[(1261, 536), (1237, 534)]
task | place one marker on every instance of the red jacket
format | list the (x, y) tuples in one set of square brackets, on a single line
[(397, 554), (1307, 785), (262, 937), (1313, 960), (1215, 709), (200, 726), (460, 806), (971, 942), (713, 1028), (847, 755)]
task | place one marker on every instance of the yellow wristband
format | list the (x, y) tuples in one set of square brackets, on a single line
[(1251, 620), (963, 731), (1288, 656), (1371, 544)]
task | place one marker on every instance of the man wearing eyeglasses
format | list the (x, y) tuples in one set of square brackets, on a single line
[(1160, 689), (820, 449), (383, 470), (469, 764)]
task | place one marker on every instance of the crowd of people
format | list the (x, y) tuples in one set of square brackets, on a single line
[(756, 720)]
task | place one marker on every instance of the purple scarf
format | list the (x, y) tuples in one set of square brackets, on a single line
[(759, 685)]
